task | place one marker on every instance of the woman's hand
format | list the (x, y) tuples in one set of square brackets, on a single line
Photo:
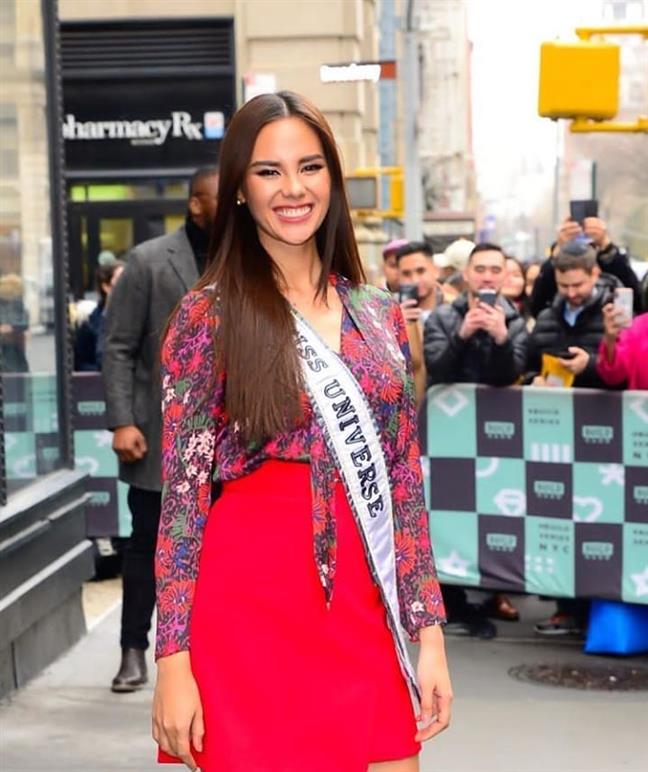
[(434, 683), (177, 710), (613, 322)]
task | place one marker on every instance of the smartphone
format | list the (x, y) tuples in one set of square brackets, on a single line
[(579, 210), (487, 296), (408, 292), (563, 354), (623, 303)]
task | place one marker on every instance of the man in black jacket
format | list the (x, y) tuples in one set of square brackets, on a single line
[(472, 340), (574, 321), (610, 258), (479, 338)]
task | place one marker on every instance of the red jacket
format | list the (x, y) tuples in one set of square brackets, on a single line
[(630, 361)]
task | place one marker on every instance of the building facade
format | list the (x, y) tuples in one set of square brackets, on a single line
[(445, 121), (149, 88), (106, 110), (44, 555)]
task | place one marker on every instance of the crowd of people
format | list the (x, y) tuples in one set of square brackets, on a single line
[(476, 314), (473, 314)]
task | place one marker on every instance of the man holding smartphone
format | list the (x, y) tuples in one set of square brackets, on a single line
[(418, 294), (572, 327), (480, 337), (610, 259), (418, 288)]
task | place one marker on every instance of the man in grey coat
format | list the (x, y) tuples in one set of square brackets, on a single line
[(158, 274)]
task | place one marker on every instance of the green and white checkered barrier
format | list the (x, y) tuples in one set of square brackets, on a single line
[(539, 490), (107, 509), (31, 443), (31, 426), (528, 489)]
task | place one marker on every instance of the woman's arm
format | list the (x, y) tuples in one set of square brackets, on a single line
[(419, 591), (191, 410), (612, 360)]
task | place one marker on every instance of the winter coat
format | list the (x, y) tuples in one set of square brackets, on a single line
[(552, 334), (612, 260), (158, 274), (449, 359), (90, 341)]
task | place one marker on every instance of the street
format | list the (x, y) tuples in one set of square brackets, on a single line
[(67, 719)]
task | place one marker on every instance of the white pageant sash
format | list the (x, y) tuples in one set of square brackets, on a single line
[(342, 410)]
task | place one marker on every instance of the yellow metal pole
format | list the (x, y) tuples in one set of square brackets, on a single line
[(584, 125), (585, 33)]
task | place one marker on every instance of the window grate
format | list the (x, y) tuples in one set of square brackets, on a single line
[(90, 49)]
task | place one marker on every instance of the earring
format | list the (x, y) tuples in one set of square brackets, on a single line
[(239, 202)]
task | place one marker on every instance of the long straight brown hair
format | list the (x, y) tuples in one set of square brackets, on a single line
[(255, 340)]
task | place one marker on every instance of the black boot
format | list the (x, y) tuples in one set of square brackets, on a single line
[(132, 671)]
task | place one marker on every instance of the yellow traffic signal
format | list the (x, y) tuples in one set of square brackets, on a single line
[(579, 80), (397, 194), (363, 189), (362, 192)]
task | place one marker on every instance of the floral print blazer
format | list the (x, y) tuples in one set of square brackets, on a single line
[(200, 445)]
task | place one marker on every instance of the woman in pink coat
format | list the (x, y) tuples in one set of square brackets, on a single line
[(623, 353)]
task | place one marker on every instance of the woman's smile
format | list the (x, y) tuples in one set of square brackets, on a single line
[(294, 214)]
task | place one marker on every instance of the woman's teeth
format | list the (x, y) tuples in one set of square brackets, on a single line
[(300, 212)]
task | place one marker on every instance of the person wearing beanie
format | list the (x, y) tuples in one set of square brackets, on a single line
[(390, 264)]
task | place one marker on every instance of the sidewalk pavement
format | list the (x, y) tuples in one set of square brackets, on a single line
[(67, 719)]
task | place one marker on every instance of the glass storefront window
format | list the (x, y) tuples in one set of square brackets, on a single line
[(172, 222), (27, 326), (140, 191)]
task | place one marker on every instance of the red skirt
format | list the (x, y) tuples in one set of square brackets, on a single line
[(287, 685)]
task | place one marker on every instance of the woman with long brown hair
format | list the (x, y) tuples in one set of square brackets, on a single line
[(282, 603)]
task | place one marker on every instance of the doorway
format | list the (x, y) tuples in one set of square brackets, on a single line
[(114, 226)]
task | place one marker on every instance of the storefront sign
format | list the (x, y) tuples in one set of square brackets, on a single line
[(138, 124), (358, 71), (145, 132)]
